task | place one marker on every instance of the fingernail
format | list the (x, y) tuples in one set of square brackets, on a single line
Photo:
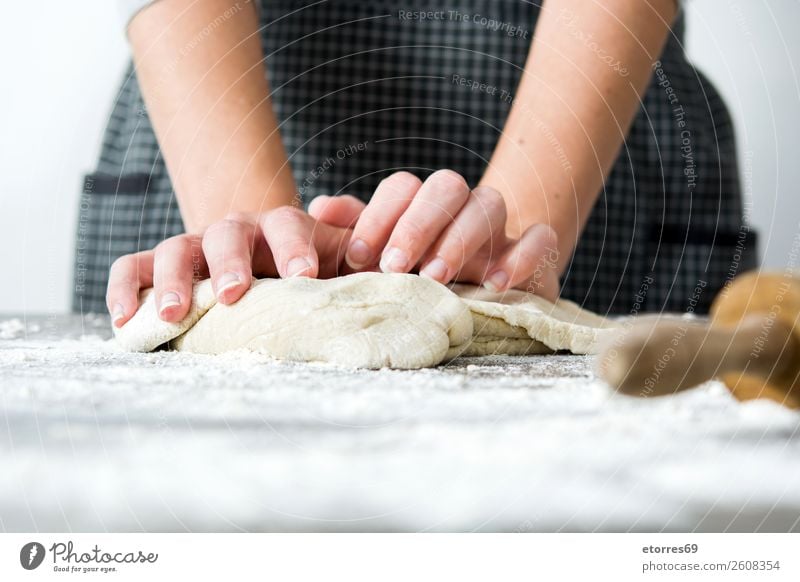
[(497, 281), (168, 300), (394, 261), (118, 313), (358, 254), (297, 266), (227, 281), (437, 270)]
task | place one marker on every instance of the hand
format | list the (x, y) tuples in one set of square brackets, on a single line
[(284, 242), (445, 231)]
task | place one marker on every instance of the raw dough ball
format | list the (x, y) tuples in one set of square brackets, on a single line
[(369, 320), (146, 330), (366, 320)]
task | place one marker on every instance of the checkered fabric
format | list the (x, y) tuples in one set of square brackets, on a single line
[(364, 88)]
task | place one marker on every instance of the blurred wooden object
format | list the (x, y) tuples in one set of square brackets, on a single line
[(751, 343)]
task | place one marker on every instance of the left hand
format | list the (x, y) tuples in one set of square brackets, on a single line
[(445, 231)]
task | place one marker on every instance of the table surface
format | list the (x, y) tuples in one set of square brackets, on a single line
[(96, 439)]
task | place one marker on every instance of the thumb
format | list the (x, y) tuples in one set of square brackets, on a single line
[(530, 264)]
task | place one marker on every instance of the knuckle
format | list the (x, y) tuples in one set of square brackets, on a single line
[(290, 248), (369, 228), (125, 270), (121, 264), (410, 233), (407, 178), (454, 248), (318, 205), (449, 178), (214, 229), (113, 289), (527, 258), (447, 189), (402, 180), (491, 200), (173, 244), (284, 214), (221, 227), (238, 217)]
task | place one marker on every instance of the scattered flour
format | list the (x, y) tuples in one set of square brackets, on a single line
[(11, 328), (99, 439)]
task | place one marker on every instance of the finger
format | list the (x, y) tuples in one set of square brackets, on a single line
[(530, 260), (228, 248), (289, 234), (178, 261), (331, 243), (435, 206), (341, 211), (129, 274), (480, 220), (391, 199)]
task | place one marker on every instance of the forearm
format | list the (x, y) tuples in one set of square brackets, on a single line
[(588, 67), (200, 67)]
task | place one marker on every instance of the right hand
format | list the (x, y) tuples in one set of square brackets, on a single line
[(284, 242)]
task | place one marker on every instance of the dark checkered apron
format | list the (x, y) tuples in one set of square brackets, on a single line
[(666, 233)]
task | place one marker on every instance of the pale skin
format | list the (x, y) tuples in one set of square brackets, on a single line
[(587, 68)]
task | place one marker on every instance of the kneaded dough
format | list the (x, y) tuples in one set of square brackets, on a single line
[(559, 326), (365, 320), (492, 336), (369, 320)]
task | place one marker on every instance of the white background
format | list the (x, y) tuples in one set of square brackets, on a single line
[(63, 61)]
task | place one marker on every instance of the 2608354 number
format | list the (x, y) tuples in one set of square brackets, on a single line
[(754, 565)]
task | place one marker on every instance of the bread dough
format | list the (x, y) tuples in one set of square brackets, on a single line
[(559, 326), (368, 320), (364, 320), (492, 335)]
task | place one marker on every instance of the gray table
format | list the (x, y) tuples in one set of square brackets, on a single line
[(95, 439)]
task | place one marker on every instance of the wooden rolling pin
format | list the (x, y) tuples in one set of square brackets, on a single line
[(752, 343)]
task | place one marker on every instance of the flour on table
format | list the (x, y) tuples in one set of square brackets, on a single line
[(368, 320), (11, 328)]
